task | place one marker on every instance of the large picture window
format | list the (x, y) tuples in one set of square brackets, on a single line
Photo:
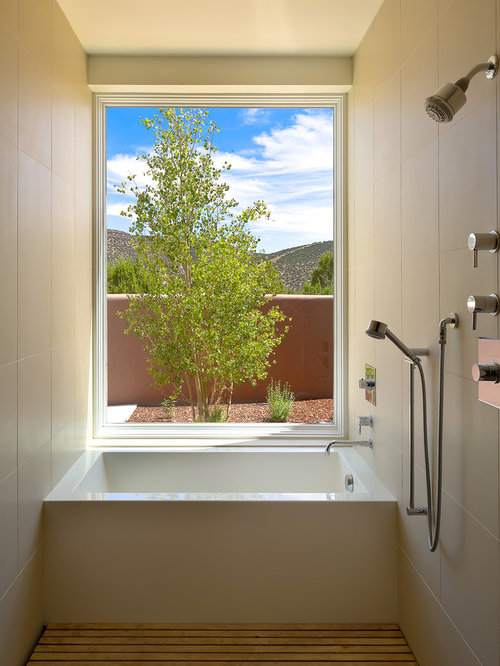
[(219, 268)]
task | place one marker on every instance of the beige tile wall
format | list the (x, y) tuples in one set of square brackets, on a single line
[(45, 292), (416, 191)]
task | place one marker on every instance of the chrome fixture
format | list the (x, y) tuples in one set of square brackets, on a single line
[(482, 305), (486, 372), (349, 483), (481, 242), (366, 383), (450, 98), (380, 330), (363, 421), (349, 442)]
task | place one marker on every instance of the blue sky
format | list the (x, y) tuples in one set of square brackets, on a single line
[(282, 156)]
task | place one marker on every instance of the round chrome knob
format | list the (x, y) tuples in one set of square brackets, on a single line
[(486, 372)]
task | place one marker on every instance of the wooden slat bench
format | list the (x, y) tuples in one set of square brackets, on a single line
[(221, 645)]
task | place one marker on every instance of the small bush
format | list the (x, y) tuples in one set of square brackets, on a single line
[(218, 414), (280, 401), (168, 407)]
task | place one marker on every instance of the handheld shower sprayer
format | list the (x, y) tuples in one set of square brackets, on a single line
[(379, 331), (450, 98)]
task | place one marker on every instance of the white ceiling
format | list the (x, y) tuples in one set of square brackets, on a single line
[(220, 27)]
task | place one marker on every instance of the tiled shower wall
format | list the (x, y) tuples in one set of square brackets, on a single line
[(45, 287), (416, 190)]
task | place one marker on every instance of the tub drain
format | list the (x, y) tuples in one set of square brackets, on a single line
[(349, 483)]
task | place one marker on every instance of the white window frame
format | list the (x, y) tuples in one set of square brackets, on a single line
[(244, 434)]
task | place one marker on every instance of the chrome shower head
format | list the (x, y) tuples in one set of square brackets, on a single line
[(376, 329), (450, 98), (379, 331)]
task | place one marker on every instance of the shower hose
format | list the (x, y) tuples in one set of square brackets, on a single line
[(434, 514)]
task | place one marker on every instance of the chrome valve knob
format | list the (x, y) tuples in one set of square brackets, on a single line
[(486, 372), (364, 421), (478, 242), (482, 304)]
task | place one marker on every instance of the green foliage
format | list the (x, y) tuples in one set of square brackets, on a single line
[(127, 277), (201, 321), (168, 407), (321, 282), (218, 414), (280, 401)]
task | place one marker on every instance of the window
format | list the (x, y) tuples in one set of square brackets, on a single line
[(304, 106)]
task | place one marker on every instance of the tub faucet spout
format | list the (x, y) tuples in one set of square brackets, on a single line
[(349, 442)]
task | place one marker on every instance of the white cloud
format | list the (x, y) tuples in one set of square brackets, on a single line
[(290, 169), (254, 115)]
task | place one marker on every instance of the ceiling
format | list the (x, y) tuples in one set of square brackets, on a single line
[(220, 27)]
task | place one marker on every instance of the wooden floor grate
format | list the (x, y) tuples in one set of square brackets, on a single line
[(221, 645)]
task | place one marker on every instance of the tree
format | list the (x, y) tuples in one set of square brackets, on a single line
[(321, 281), (125, 277), (202, 322)]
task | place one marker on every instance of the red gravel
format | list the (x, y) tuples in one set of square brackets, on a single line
[(303, 411)]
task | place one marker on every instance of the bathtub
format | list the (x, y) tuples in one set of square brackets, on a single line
[(231, 535)]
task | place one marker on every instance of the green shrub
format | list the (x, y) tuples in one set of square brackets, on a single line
[(168, 407), (218, 414), (280, 401)]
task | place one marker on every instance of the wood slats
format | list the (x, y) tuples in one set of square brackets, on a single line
[(221, 645)]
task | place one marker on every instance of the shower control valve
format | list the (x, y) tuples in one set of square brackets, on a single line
[(477, 242), (486, 372), (364, 421), (482, 304)]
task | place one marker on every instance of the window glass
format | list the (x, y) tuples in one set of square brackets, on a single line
[(278, 379)]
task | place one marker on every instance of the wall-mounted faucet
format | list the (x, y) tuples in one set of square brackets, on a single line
[(349, 442)]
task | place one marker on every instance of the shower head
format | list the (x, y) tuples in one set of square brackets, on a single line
[(450, 98), (379, 331)]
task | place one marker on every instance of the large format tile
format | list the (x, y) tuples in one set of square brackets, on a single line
[(387, 217), (63, 387), (34, 484), (63, 220), (470, 454), (35, 30), (34, 111), (63, 137), (64, 294), (34, 391), (434, 639), (413, 531), (34, 305), (386, 42), (417, 19), (35, 204), (467, 178), (8, 195), (467, 38), (387, 128), (8, 77), (419, 79), (8, 296), (8, 531), (8, 14), (469, 576), (420, 203), (8, 419)]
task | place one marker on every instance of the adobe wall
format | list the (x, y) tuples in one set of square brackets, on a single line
[(304, 359)]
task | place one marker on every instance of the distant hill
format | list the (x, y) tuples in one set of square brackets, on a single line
[(294, 264)]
